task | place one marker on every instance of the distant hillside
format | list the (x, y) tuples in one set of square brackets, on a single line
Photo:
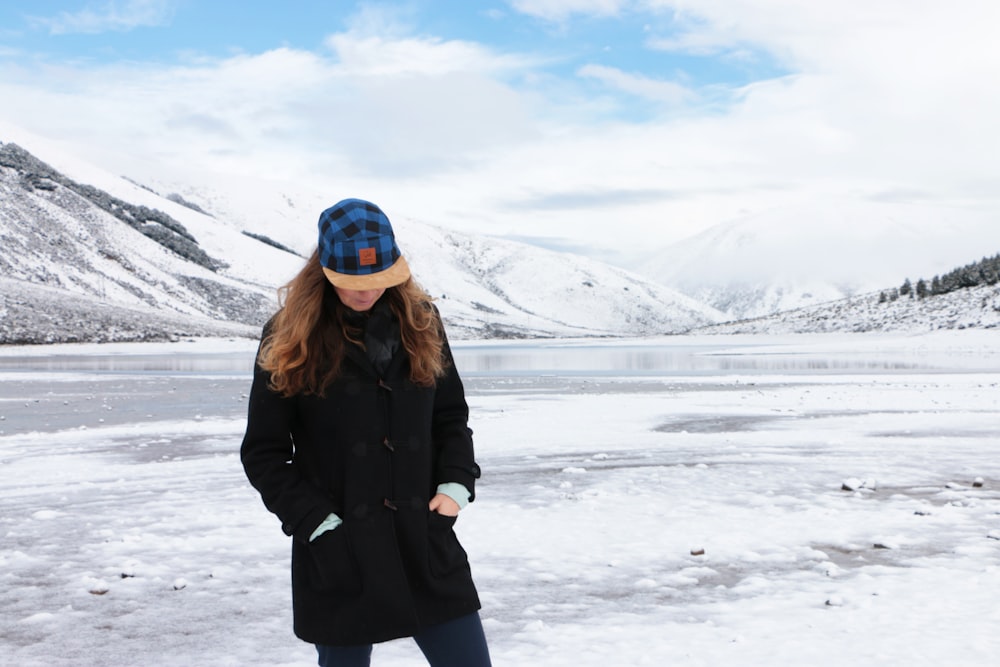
[(819, 251), (965, 298), (32, 314), (984, 272)]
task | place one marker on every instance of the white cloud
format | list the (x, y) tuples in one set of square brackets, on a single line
[(889, 99), (560, 10), (370, 55), (667, 92), (113, 15), (376, 106)]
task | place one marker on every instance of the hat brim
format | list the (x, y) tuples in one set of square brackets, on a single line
[(397, 274)]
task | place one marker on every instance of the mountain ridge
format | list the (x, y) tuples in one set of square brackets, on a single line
[(103, 247), (90, 256)]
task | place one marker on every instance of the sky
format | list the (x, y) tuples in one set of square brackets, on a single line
[(608, 127)]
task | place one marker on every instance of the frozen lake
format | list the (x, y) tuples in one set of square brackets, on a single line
[(673, 501)]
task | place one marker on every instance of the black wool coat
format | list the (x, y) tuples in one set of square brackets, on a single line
[(373, 449)]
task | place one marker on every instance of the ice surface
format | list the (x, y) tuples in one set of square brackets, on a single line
[(131, 537)]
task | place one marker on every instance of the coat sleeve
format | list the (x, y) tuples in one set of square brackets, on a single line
[(268, 457), (455, 460)]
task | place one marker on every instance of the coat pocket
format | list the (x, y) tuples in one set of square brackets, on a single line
[(445, 554), (332, 567)]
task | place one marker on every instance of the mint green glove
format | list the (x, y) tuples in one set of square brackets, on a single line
[(329, 523), (456, 492)]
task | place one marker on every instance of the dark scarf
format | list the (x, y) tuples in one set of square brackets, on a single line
[(381, 333)]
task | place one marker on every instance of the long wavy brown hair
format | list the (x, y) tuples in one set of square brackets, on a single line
[(304, 346)]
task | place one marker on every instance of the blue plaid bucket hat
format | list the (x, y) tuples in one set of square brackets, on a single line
[(357, 247)]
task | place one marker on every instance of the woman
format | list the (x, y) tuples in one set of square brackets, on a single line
[(357, 439)]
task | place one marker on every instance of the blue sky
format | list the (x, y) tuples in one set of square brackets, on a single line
[(536, 119), (168, 32), (165, 31)]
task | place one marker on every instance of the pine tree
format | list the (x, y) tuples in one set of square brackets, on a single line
[(988, 271), (984, 272), (968, 276)]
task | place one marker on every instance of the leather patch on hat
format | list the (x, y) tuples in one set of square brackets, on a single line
[(367, 256)]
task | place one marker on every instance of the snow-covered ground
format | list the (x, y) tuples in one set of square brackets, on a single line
[(810, 500)]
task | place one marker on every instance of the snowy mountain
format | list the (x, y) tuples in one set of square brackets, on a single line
[(496, 288), (821, 251), (79, 264), (92, 256)]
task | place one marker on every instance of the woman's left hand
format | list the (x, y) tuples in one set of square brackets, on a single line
[(443, 504)]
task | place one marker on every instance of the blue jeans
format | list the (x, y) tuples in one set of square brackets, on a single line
[(457, 643)]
